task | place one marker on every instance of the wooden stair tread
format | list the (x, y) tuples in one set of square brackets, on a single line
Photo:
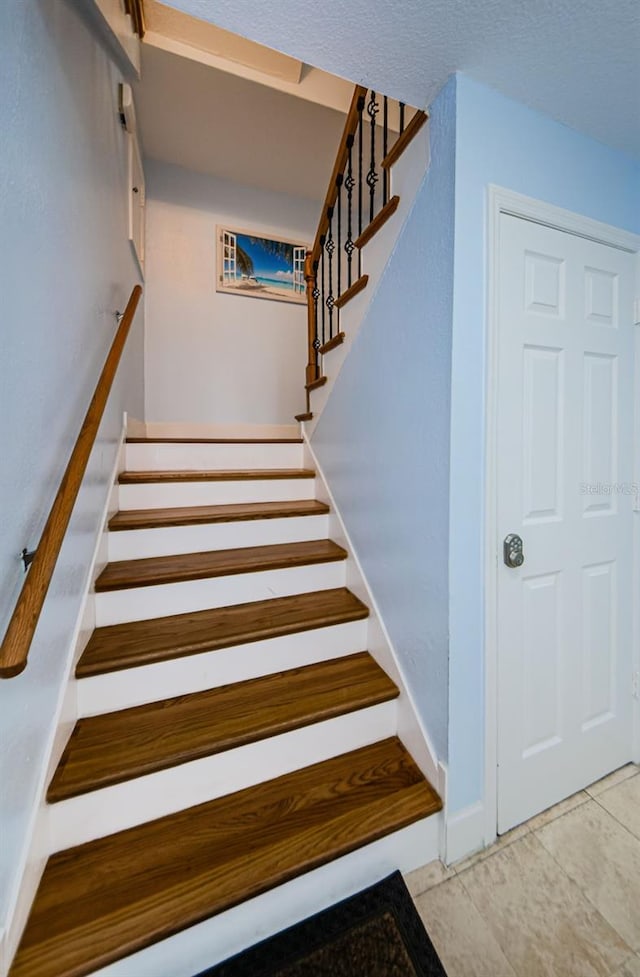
[(320, 382), (413, 127), (103, 900), (216, 563), (352, 291), (214, 475), (332, 343), (378, 221), (118, 746), (196, 515), (214, 440), (145, 642)]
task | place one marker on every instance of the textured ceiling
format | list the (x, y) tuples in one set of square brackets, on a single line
[(577, 62), (217, 123)]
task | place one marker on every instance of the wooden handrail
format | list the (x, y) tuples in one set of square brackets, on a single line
[(327, 294), (350, 128), (24, 620)]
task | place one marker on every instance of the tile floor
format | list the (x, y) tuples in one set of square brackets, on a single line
[(556, 897)]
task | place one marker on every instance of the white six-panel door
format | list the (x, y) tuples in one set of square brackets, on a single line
[(565, 469)]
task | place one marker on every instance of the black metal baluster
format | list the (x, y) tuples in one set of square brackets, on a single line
[(330, 248), (372, 176), (385, 149), (349, 184), (324, 308), (339, 182), (316, 295), (360, 131), (361, 104), (402, 106)]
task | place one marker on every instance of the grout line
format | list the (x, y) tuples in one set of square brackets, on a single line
[(616, 819)]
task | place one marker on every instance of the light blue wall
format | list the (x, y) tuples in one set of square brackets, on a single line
[(500, 141), (383, 439), (65, 266)]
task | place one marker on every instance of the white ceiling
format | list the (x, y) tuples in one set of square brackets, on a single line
[(577, 62), (214, 122)]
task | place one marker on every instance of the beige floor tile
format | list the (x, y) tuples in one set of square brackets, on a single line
[(629, 969), (463, 940), (603, 859), (558, 810), (545, 926), (624, 773), (623, 802), (426, 877), (503, 842)]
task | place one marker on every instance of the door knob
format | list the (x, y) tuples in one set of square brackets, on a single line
[(513, 554)]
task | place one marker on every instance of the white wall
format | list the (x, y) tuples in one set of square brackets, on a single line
[(211, 357), (66, 267)]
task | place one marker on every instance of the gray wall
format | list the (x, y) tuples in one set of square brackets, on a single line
[(383, 439), (66, 265)]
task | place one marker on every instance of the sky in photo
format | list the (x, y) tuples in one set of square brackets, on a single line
[(267, 265)]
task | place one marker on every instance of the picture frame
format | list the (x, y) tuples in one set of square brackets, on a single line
[(259, 264)]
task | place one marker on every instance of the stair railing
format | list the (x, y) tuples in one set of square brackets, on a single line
[(356, 204), (41, 563)]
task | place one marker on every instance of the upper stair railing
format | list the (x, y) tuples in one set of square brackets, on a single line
[(357, 203), (24, 620)]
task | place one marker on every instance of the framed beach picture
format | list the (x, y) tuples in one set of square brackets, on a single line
[(260, 266)]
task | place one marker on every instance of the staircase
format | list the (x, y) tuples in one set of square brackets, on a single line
[(235, 733)]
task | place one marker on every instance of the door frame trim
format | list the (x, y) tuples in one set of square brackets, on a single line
[(503, 201)]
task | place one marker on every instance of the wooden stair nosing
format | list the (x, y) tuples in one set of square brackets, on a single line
[(128, 519), (160, 440), (213, 475), (336, 340), (353, 290), (156, 570), (413, 127), (378, 221), (105, 899), (137, 643), (115, 747), (320, 382)]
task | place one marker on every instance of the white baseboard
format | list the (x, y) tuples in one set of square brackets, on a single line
[(38, 849), (154, 495), (222, 936), (202, 456), (410, 727), (465, 832), (181, 429)]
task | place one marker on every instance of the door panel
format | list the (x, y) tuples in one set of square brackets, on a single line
[(565, 447)]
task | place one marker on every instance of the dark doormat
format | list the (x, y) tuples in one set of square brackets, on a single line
[(376, 933)]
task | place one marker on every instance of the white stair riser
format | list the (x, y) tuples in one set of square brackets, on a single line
[(162, 495), (138, 544), (143, 799), (208, 670), (222, 936), (181, 457), (141, 603)]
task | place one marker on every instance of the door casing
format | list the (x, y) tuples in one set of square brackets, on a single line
[(502, 201)]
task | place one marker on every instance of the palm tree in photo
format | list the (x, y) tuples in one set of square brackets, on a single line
[(244, 262)]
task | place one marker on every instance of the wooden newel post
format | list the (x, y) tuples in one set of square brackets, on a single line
[(310, 278)]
